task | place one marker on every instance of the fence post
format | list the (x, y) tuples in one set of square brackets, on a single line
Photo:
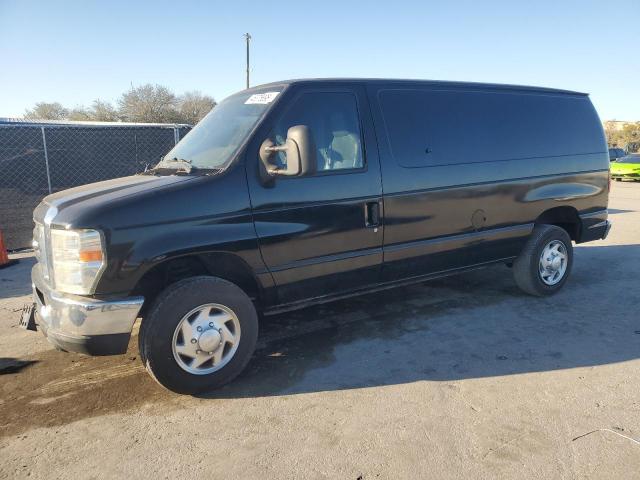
[(46, 158)]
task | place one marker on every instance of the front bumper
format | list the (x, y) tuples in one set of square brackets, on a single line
[(82, 324)]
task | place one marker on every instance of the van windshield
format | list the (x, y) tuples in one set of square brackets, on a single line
[(217, 137)]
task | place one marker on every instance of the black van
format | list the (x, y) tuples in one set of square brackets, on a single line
[(307, 191)]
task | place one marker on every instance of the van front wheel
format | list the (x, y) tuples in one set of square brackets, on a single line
[(199, 334), (545, 262)]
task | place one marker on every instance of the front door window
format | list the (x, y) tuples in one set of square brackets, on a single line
[(332, 118)]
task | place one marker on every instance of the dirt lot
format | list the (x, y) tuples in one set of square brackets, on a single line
[(463, 377)]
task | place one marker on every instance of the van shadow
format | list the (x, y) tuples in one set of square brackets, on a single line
[(615, 211), (14, 365), (473, 325)]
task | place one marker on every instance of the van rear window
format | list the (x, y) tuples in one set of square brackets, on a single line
[(431, 127)]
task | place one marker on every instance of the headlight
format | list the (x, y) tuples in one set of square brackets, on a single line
[(77, 259)]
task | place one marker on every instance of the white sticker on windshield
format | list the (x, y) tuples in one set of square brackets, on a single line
[(261, 98)]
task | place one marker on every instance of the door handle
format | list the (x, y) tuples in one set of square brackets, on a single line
[(372, 214)]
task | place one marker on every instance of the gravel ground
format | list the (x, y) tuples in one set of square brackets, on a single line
[(463, 377)]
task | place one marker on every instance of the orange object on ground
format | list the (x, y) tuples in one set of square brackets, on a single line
[(4, 256)]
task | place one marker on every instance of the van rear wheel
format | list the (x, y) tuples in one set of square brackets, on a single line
[(199, 334), (545, 262)]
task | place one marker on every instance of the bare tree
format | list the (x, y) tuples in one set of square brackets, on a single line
[(612, 133), (102, 111), (79, 114), (47, 111), (149, 103), (193, 106), (631, 136)]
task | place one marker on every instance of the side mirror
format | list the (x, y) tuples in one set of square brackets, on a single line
[(300, 150)]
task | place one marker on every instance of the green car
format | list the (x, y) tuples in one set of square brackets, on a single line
[(626, 167)]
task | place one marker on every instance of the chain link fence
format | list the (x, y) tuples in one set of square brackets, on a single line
[(37, 159)]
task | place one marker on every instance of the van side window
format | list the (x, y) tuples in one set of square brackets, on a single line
[(333, 120), (437, 127)]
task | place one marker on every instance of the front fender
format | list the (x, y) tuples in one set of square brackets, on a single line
[(136, 252)]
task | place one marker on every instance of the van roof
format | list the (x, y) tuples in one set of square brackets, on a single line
[(436, 83)]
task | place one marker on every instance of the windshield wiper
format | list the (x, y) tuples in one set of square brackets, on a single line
[(178, 165), (181, 163)]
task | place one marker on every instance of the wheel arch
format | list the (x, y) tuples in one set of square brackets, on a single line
[(565, 217), (223, 265)]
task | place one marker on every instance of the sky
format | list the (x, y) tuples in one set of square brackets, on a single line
[(74, 52)]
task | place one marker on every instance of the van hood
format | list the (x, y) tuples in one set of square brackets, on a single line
[(95, 194)]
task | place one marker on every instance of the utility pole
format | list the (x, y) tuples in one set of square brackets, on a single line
[(247, 37)]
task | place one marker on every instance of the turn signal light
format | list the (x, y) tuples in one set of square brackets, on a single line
[(90, 256)]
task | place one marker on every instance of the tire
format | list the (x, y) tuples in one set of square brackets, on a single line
[(618, 179), (160, 338), (527, 266)]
